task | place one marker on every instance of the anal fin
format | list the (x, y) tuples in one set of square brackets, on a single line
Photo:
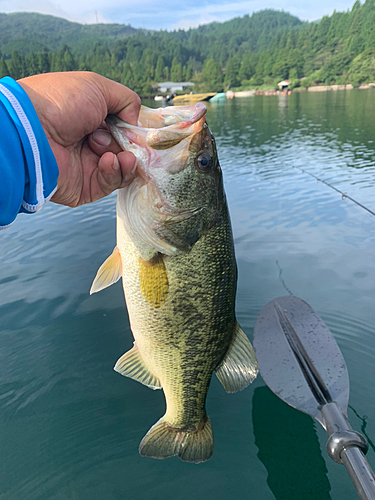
[(239, 367), (131, 365)]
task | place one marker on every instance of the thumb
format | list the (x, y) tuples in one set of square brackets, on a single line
[(101, 141)]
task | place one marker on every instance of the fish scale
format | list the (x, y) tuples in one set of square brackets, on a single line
[(186, 337)]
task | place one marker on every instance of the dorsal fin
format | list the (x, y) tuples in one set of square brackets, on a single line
[(239, 366), (109, 272)]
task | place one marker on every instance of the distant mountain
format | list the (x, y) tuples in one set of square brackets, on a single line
[(27, 32), (267, 20), (245, 52), (31, 32)]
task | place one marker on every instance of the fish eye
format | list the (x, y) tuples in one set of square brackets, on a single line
[(204, 161)]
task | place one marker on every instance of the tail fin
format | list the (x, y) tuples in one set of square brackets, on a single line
[(163, 441)]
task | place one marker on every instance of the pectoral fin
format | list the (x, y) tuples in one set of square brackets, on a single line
[(239, 366), (131, 365), (109, 272)]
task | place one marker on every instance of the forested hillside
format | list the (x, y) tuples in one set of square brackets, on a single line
[(248, 52), (29, 32)]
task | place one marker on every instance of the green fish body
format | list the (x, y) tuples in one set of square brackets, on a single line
[(175, 254)]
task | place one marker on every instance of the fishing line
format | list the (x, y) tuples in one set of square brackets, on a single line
[(283, 281), (363, 426), (344, 196)]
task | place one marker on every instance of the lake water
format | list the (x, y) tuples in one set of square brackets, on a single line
[(70, 426)]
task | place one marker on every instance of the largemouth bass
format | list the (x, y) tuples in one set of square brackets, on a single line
[(175, 255)]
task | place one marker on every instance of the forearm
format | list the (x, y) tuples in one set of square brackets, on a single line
[(28, 169)]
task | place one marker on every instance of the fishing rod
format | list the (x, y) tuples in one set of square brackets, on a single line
[(302, 364), (344, 195)]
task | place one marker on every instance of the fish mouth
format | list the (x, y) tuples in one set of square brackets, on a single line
[(162, 139), (158, 129), (171, 117)]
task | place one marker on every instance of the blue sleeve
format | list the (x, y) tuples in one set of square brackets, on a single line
[(28, 169)]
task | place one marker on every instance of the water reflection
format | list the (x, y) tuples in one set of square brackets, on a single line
[(288, 447), (283, 102)]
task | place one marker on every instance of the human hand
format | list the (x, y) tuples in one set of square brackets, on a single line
[(72, 108)]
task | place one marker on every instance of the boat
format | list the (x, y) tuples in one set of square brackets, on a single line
[(219, 96), (192, 98)]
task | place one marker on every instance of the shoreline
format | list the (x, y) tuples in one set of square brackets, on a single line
[(230, 94), (313, 88)]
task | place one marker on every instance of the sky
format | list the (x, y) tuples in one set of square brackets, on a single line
[(170, 14)]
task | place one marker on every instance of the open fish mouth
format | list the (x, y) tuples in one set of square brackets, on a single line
[(162, 138), (158, 129), (166, 118)]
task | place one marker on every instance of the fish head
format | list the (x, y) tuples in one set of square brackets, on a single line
[(177, 193)]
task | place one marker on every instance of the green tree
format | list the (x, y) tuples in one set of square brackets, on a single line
[(176, 71), (44, 61), (280, 69), (148, 62), (232, 72), (63, 60), (119, 50), (17, 65), (127, 77), (293, 75), (212, 76), (187, 73), (32, 63), (69, 63), (139, 79), (4, 71), (247, 68), (159, 70)]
